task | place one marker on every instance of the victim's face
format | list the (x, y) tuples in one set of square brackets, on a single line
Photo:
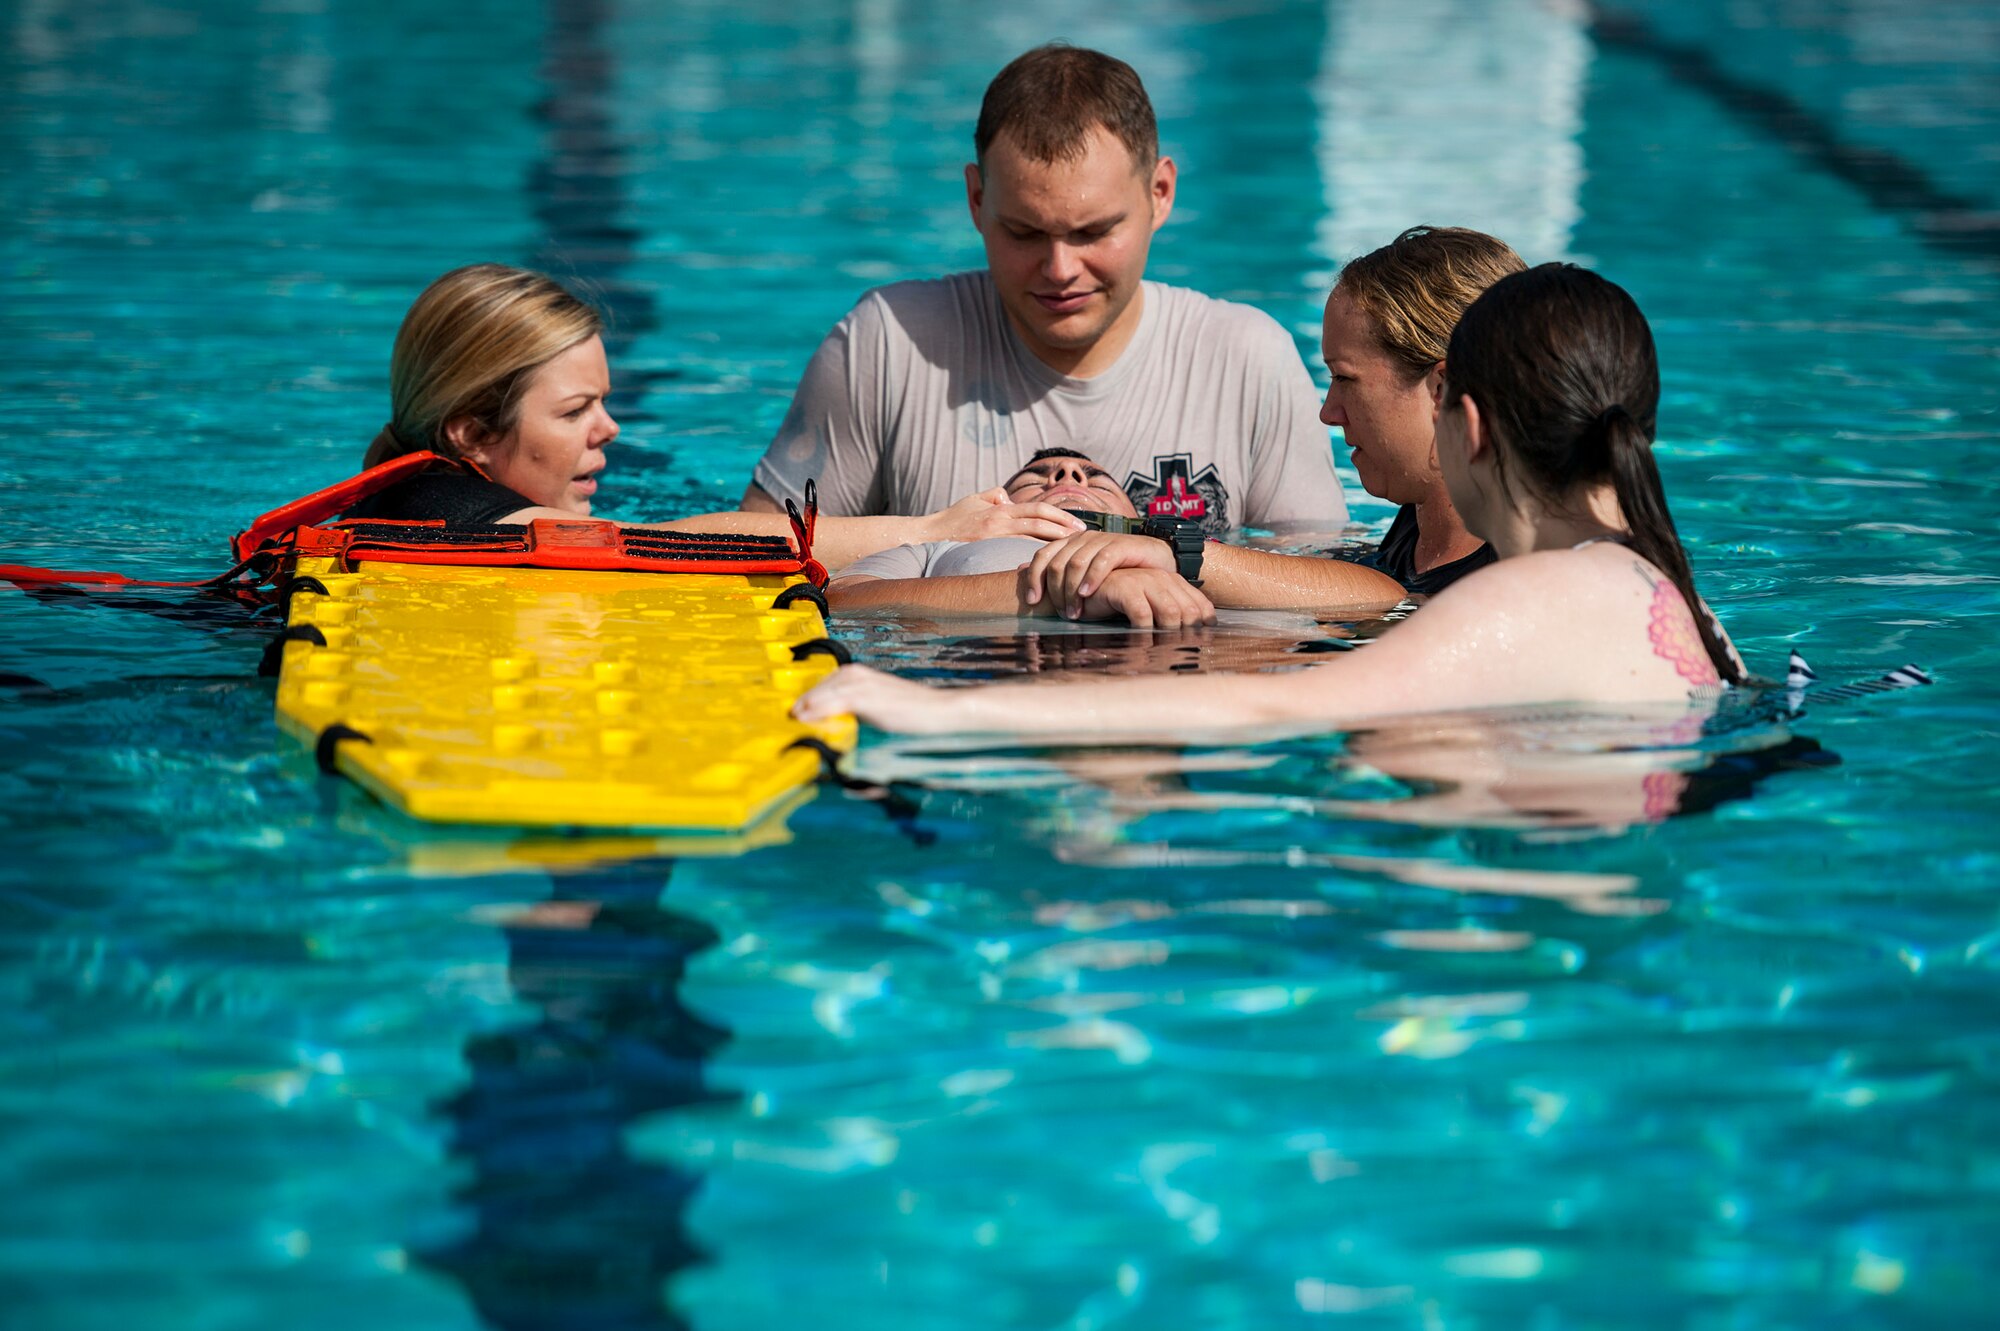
[(1070, 483)]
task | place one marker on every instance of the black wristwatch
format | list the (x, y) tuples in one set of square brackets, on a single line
[(1183, 535), (1186, 539)]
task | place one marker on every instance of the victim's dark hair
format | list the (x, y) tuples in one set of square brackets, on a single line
[(1561, 363)]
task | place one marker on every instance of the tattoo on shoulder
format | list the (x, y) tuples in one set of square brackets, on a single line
[(1645, 572), (1675, 638)]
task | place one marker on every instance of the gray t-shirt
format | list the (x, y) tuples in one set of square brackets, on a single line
[(923, 395), (945, 559)]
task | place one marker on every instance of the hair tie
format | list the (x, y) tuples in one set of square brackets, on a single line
[(1605, 422)]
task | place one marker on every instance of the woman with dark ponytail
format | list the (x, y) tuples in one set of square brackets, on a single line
[(1559, 364), (1545, 440)]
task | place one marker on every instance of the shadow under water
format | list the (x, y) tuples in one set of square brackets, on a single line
[(567, 1228)]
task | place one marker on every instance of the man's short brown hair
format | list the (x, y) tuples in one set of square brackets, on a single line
[(1048, 100)]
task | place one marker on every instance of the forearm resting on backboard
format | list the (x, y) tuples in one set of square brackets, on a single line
[(1261, 580), (965, 596)]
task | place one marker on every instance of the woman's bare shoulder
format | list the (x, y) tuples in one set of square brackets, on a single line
[(1578, 625), (1508, 611), (1606, 570), (1642, 635), (1530, 584)]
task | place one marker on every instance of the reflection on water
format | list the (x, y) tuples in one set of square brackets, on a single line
[(1238, 1015), (1510, 78), (579, 187), (1548, 778), (566, 1228), (973, 649), (1483, 773)]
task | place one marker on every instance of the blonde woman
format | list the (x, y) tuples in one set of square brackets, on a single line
[(503, 370)]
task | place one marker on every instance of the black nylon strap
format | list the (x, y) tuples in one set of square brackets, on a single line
[(274, 651), (801, 591), (822, 647), (330, 740), (899, 808)]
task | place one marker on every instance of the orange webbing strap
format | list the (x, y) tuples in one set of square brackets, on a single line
[(28, 575), (802, 528), (543, 543), (550, 543), (251, 571), (320, 505), (247, 544)]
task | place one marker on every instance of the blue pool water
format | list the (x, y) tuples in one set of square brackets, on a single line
[(1442, 1026)]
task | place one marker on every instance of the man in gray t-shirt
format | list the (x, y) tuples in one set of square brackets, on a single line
[(930, 391)]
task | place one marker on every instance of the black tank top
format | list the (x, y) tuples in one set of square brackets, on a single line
[(461, 499), (1397, 556)]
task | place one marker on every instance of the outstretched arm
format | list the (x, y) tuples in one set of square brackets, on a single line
[(1146, 598), (1071, 570), (1096, 709), (1246, 579), (971, 595), (840, 541), (1494, 639)]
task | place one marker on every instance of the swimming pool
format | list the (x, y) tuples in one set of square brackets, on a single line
[(1222, 1037)]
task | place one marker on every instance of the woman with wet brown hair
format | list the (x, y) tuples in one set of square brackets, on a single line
[(1386, 327), (1383, 337)]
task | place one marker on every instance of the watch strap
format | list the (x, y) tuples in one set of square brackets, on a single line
[(1187, 540)]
